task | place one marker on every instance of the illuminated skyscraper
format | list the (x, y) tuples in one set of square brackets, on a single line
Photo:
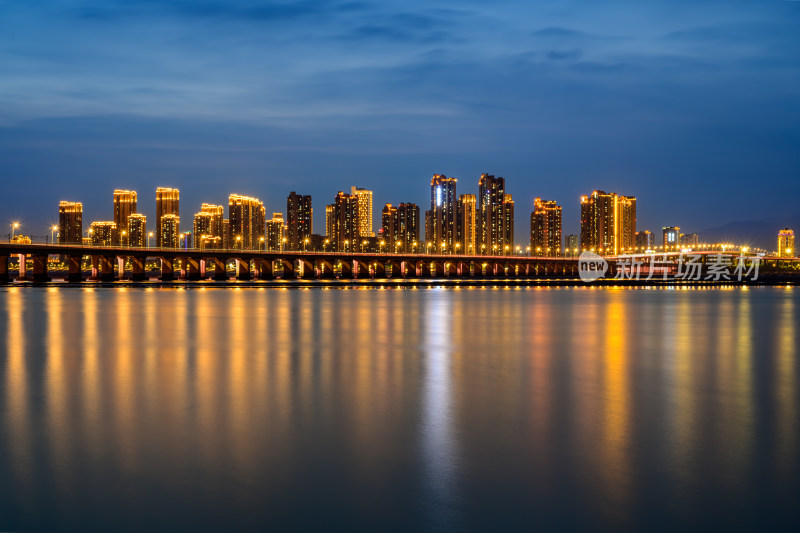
[(572, 245), (689, 240), (608, 223), (247, 222), (170, 230), (786, 243), (364, 199), (137, 230), (443, 226), (167, 203), (103, 233), (546, 228), (276, 230), (400, 227), (671, 237), (124, 206), (495, 228), (467, 220), (344, 232), (208, 227), (299, 220), (645, 240), (70, 222)]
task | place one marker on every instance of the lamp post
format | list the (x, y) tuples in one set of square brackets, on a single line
[(325, 245), (261, 244), (305, 245), (380, 248), (149, 236), (124, 233), (14, 228), (53, 229)]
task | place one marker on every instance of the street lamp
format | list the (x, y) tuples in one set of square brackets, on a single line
[(261, 240), (414, 247), (325, 244), (124, 233), (149, 236), (14, 227), (429, 247), (53, 229), (346, 245), (363, 245), (380, 248), (305, 244)]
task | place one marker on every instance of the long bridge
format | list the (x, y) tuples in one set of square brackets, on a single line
[(126, 263)]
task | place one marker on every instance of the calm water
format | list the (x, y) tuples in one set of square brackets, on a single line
[(435, 409)]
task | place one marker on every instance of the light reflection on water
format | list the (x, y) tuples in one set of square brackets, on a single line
[(398, 409)]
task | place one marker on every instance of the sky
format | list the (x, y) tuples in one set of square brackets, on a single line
[(691, 106)]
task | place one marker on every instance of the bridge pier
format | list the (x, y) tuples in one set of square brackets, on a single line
[(286, 269), (193, 272), (220, 270), (243, 269), (324, 270), (378, 270), (137, 269), (4, 278), (360, 269), (305, 270), (167, 270), (265, 269), (346, 269), (40, 269), (121, 267), (22, 267)]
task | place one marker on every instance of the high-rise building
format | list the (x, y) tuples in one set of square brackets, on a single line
[(429, 227), (608, 223), (103, 233), (400, 227), (124, 206), (508, 225), (364, 199), (645, 240), (167, 203), (299, 220), (572, 245), (276, 230), (247, 218), (70, 222), (467, 223), (786, 243), (137, 230), (689, 240), (671, 237), (169, 228), (208, 227), (546, 228), (495, 216), (444, 214), (344, 231), (329, 212), (226, 234)]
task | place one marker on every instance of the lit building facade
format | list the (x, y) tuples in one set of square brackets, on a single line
[(276, 232), (167, 203), (246, 217), (103, 233), (442, 229), (786, 243), (608, 223), (364, 200), (208, 227), (467, 220), (545, 228), (689, 240), (70, 222), (645, 240), (671, 237), (299, 220), (344, 231), (400, 227), (124, 207), (572, 245), (137, 230), (495, 226), (169, 228)]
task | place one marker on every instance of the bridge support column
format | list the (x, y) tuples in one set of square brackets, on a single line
[(193, 272), (324, 270), (437, 269), (4, 278), (121, 267), (137, 269), (360, 270), (22, 267), (265, 269), (106, 268), (286, 269), (74, 270), (167, 269), (220, 269), (305, 269), (378, 270), (346, 269), (40, 269), (243, 269)]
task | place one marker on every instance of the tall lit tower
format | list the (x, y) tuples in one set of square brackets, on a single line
[(276, 229), (124, 206), (70, 222), (364, 199), (246, 217), (608, 222), (170, 230), (495, 215), (443, 223), (545, 228), (344, 222), (467, 218), (167, 203), (208, 226), (299, 220), (786, 243), (137, 230)]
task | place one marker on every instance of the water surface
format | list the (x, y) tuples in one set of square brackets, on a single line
[(432, 409)]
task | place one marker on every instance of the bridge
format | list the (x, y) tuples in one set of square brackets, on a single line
[(126, 263)]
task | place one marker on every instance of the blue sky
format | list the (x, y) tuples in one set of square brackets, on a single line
[(692, 106)]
